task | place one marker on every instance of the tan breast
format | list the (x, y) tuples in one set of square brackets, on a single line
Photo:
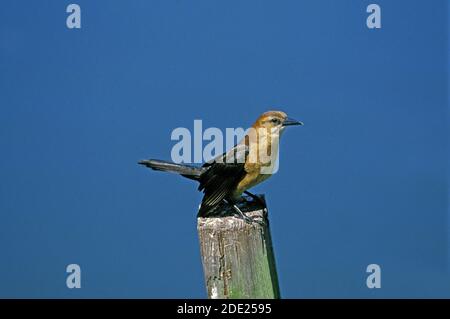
[(254, 174)]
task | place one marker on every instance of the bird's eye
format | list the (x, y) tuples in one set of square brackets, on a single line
[(275, 121)]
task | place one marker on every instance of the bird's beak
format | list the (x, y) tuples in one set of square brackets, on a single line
[(288, 122)]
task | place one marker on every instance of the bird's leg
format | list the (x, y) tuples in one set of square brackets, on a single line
[(257, 199), (240, 214)]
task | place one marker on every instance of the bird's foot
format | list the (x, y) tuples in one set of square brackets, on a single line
[(249, 220), (239, 214)]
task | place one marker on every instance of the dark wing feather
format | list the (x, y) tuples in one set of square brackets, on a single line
[(219, 181), (237, 155), (221, 178)]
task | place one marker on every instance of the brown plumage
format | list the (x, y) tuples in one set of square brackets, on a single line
[(250, 162)]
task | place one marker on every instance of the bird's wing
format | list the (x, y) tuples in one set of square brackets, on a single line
[(237, 155), (222, 177)]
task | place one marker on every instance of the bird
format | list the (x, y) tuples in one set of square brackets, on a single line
[(225, 178)]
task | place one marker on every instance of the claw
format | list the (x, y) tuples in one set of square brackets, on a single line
[(241, 215), (249, 220)]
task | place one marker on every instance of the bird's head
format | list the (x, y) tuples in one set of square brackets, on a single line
[(275, 121)]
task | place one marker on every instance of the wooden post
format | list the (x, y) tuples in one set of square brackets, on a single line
[(238, 259)]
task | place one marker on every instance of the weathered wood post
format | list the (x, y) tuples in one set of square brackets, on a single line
[(238, 258)]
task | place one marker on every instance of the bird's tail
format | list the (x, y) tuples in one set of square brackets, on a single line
[(189, 171)]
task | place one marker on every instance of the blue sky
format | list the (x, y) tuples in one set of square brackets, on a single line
[(364, 181)]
